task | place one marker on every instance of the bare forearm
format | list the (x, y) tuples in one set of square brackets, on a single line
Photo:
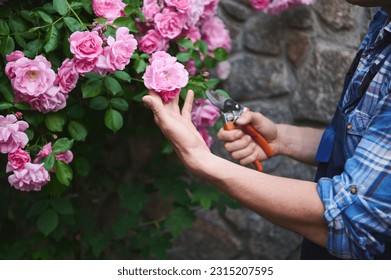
[(289, 203), (300, 143)]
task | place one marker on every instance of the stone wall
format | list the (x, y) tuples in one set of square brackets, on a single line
[(290, 67)]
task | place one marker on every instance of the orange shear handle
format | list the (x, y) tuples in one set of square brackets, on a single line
[(257, 137)]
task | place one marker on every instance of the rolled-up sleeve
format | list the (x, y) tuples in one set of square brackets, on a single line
[(358, 201)]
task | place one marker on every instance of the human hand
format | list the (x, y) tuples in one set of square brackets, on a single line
[(241, 146), (177, 126)]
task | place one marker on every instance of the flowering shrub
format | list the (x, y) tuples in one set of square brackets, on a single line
[(72, 75)]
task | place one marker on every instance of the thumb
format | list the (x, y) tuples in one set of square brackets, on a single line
[(245, 118), (153, 102)]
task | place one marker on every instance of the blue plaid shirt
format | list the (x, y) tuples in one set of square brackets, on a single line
[(359, 221)]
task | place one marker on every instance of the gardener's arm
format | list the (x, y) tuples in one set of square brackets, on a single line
[(293, 204)]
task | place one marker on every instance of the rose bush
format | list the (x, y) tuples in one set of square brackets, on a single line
[(72, 76)]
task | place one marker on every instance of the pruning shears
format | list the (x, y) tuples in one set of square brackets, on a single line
[(230, 112)]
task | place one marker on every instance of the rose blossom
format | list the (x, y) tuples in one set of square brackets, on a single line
[(169, 23), (32, 77), (109, 9), (260, 4), (17, 160), (215, 34), (210, 8), (205, 135), (47, 149), (120, 50), (31, 178), (12, 136), (67, 76), (10, 67), (51, 101), (84, 66), (86, 45), (150, 9), (204, 113), (223, 70), (165, 75), (195, 13), (182, 6), (277, 6), (152, 42)]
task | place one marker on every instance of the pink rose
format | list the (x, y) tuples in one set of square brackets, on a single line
[(210, 9), (44, 152), (17, 160), (84, 66), (276, 7), (260, 4), (66, 156), (223, 70), (165, 75), (86, 45), (182, 6), (150, 9), (190, 67), (31, 178), (67, 76), (195, 13), (153, 42), (169, 23), (109, 9), (52, 101), (215, 34), (10, 67), (120, 50), (32, 77), (204, 113), (12, 136), (205, 135)]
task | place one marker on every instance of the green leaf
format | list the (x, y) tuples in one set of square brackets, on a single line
[(49, 162), (77, 130), (126, 22), (55, 121), (101, 20), (47, 222), (22, 106), (210, 62), (220, 54), (62, 206), (112, 85), (33, 48), (113, 120), (46, 17), (62, 145), (4, 29), (202, 46), (6, 90), (179, 220), (52, 39), (186, 43), (5, 105), (37, 208), (120, 104), (212, 82), (72, 24), (91, 88), (99, 103), (184, 56), (122, 75), (82, 166), (17, 25), (61, 6), (64, 172), (7, 45), (140, 65)]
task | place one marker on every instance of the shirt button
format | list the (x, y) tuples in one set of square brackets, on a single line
[(353, 189), (349, 126)]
